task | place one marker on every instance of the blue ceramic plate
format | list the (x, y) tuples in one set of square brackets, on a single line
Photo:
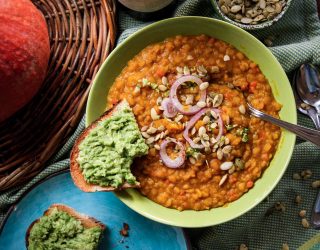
[(143, 233)]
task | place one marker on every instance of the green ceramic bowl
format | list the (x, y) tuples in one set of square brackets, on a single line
[(257, 52), (251, 26)]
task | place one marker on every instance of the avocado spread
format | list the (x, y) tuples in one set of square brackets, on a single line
[(59, 230), (107, 152)]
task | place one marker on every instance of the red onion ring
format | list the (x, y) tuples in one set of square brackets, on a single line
[(194, 119), (178, 161), (186, 110), (169, 109)]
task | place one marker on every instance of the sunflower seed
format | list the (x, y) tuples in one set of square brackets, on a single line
[(178, 118), (159, 100), (227, 149), (144, 128), (235, 8), (213, 140), (226, 165), (223, 179), (226, 57), (161, 128), (196, 140), (213, 125), (201, 69), (162, 88), (150, 140), (157, 137), (157, 147), (193, 130), (162, 134), (145, 135), (192, 160), (179, 70), (164, 80), (215, 69), (204, 85), (186, 70), (189, 57), (201, 104), (246, 20), (154, 114), (202, 131), (242, 109), (217, 101), (206, 119), (219, 154), (205, 143), (189, 99), (151, 130), (226, 140), (262, 4)]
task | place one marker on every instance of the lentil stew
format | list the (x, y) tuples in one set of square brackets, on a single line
[(227, 164)]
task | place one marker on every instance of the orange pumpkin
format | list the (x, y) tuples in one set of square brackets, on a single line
[(24, 54)]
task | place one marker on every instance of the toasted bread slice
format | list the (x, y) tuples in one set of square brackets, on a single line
[(86, 221), (75, 169)]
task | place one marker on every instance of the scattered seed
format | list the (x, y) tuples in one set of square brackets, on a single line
[(226, 58), (226, 140), (186, 70), (213, 140), (302, 213), (214, 69), (205, 137), (223, 179), (201, 104), (213, 125), (162, 134), (242, 109), (154, 114), (179, 70), (205, 143), (305, 223), (306, 174), (201, 69), (231, 170), (298, 199), (145, 135), (316, 184), (157, 147), (296, 176), (192, 160), (243, 247), (226, 165), (279, 206), (246, 20), (151, 130), (285, 246), (235, 8), (204, 85)]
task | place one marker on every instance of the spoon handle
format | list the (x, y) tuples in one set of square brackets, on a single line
[(303, 132)]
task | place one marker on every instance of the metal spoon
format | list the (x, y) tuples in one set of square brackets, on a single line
[(303, 132), (302, 106), (308, 87)]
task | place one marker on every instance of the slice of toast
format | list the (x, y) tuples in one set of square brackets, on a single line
[(75, 169), (86, 221)]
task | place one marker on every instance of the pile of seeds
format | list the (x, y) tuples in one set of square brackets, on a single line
[(251, 11)]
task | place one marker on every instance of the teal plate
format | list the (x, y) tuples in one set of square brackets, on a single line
[(105, 207)]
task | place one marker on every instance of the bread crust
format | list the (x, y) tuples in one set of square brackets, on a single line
[(75, 170), (86, 221)]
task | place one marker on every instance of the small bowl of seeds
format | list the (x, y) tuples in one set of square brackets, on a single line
[(251, 14)]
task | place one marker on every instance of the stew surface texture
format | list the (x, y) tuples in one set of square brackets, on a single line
[(189, 95)]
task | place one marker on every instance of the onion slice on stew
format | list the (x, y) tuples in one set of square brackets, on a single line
[(169, 109), (172, 163), (186, 109), (193, 121)]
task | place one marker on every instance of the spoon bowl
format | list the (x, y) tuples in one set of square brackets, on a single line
[(308, 85)]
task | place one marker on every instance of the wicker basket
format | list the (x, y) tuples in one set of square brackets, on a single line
[(82, 34)]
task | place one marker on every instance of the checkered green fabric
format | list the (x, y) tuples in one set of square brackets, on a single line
[(296, 40)]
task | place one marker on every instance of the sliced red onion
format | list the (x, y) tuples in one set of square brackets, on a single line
[(169, 109), (186, 109), (178, 161), (193, 121)]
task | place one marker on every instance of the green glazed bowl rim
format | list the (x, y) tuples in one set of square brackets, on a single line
[(271, 176), (262, 25)]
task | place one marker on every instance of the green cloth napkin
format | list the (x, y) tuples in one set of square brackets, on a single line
[(296, 40)]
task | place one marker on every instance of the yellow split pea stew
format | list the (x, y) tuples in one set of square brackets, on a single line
[(189, 95)]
